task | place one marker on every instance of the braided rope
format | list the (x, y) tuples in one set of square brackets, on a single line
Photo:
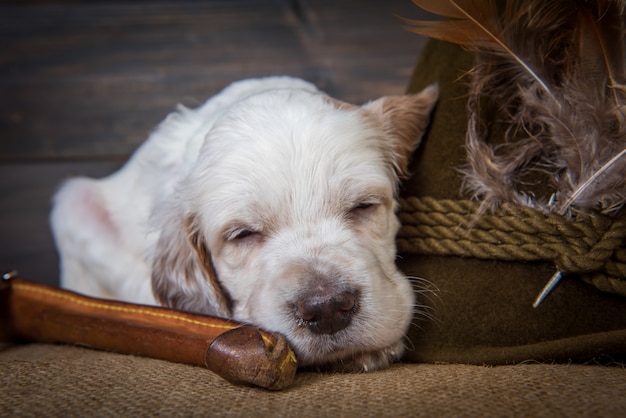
[(594, 247)]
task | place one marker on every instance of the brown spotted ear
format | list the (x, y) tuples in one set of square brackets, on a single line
[(405, 119), (183, 276)]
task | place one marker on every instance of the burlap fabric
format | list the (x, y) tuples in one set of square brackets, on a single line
[(41, 380), (485, 276)]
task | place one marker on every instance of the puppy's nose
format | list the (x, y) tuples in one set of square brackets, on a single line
[(326, 313)]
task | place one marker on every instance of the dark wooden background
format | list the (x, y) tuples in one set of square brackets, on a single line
[(82, 83)]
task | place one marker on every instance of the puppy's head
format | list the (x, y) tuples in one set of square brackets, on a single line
[(287, 221)]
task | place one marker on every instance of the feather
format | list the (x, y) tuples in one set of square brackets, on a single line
[(473, 24), (556, 71)]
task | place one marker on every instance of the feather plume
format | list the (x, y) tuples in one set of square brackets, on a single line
[(556, 71)]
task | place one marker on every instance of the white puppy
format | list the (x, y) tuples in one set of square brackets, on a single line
[(271, 204)]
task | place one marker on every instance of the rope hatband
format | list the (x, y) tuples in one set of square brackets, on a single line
[(593, 247)]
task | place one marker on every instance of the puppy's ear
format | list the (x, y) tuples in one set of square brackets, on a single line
[(405, 119), (183, 276)]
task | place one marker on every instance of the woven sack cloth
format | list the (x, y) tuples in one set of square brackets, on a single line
[(477, 276)]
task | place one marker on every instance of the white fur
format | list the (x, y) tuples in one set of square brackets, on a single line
[(311, 179)]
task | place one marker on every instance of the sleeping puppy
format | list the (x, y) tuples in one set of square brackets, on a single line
[(271, 204)]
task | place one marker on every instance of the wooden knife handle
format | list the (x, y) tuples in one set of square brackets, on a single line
[(240, 353)]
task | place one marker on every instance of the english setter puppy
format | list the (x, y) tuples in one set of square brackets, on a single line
[(271, 204)]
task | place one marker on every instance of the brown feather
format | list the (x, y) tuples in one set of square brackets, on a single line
[(556, 71)]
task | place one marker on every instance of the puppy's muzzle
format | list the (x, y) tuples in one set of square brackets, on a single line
[(326, 312)]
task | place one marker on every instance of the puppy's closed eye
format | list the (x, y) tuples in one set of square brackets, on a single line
[(363, 209), (243, 236), (363, 206)]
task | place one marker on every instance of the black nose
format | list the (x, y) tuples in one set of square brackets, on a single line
[(324, 313)]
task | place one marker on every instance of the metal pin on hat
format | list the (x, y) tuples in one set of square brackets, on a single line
[(554, 280)]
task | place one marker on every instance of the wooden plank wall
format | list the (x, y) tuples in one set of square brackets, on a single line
[(82, 83)]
